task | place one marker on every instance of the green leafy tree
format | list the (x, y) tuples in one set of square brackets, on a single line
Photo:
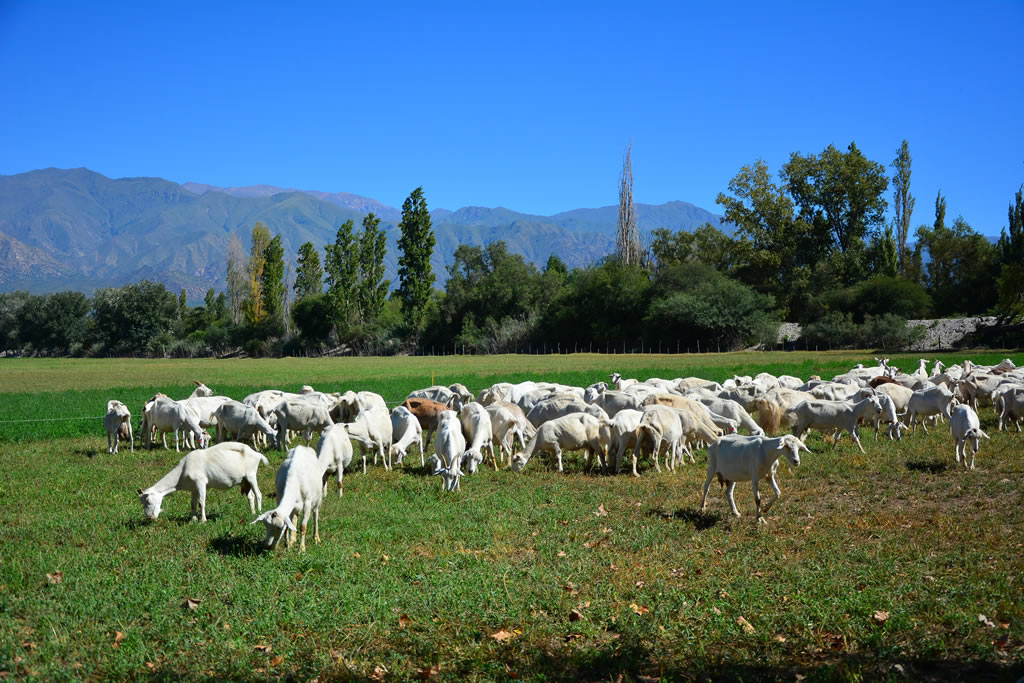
[(780, 247), (312, 316), (958, 273), (840, 196), (342, 266), (52, 322), (883, 253), (129, 318), (272, 287), (309, 276), (254, 308), (415, 276), (707, 244), (373, 288), (903, 203), (940, 212), (1011, 258)]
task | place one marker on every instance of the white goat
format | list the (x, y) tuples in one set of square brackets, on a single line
[(829, 416), (118, 423), (405, 431), (166, 415), (571, 432), (300, 414), (937, 400), (450, 443), (964, 426), (299, 488), (505, 428), (241, 422), (334, 451), (476, 427), (222, 466), (749, 458)]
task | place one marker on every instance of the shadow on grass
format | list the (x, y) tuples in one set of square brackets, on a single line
[(89, 452), (635, 660), (237, 546), (931, 467), (699, 520)]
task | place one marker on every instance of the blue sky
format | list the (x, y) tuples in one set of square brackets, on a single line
[(527, 106)]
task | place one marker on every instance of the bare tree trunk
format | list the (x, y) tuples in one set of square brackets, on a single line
[(627, 238)]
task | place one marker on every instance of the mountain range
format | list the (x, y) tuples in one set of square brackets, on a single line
[(77, 229)]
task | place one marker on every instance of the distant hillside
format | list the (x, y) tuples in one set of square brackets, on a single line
[(77, 229)]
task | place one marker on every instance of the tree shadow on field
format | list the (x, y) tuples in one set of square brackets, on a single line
[(237, 546), (701, 521), (88, 452), (629, 658), (931, 467)]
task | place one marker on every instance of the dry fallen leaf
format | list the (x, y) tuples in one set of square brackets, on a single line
[(502, 635), (606, 530), (575, 615), (1003, 641), (639, 609), (276, 661), (534, 533), (779, 638), (379, 672), (356, 555), (985, 620), (563, 522), (56, 577), (384, 559), (613, 566), (722, 594), (191, 604), (600, 512), (561, 553), (745, 624), (640, 584), (118, 637), (404, 620), (265, 649), (428, 672), (678, 573), (716, 610), (571, 589), (227, 626), (591, 544), (880, 616), (150, 665)]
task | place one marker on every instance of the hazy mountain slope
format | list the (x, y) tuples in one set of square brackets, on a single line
[(77, 229)]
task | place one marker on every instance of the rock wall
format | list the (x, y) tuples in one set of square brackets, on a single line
[(940, 335)]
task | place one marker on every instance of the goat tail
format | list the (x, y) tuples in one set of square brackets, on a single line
[(769, 416)]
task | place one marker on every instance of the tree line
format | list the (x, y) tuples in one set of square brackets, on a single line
[(812, 244)]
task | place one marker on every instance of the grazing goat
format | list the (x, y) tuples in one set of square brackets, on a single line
[(299, 488), (222, 466), (165, 415), (749, 458), (451, 444), (571, 432), (241, 422), (964, 426), (334, 451), (477, 428), (937, 400), (117, 421), (300, 414), (405, 431), (828, 416)]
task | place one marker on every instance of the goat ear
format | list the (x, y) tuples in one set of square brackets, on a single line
[(983, 434), (289, 523)]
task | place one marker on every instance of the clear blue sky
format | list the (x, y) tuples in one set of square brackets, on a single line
[(527, 106)]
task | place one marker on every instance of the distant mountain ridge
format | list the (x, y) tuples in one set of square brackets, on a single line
[(78, 229)]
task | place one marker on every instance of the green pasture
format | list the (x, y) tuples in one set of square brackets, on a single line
[(894, 564)]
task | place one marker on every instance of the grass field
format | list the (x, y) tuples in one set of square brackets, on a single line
[(890, 565)]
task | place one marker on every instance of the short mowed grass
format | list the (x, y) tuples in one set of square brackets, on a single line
[(872, 566)]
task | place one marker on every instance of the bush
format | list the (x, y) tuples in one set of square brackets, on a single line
[(838, 330)]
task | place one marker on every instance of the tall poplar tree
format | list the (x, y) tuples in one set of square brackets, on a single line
[(236, 279), (903, 203), (415, 276), (373, 288), (309, 276), (627, 235), (255, 310), (272, 281), (342, 265)]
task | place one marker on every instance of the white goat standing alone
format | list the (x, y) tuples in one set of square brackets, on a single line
[(736, 458), (117, 421), (965, 426), (222, 466)]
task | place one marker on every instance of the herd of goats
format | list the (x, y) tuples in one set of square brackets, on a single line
[(657, 418)]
